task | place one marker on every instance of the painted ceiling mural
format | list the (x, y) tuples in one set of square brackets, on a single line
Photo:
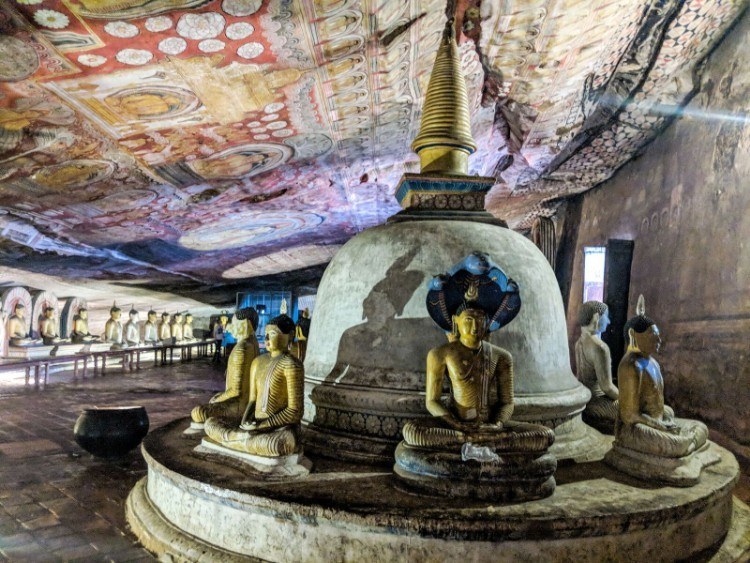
[(205, 140)]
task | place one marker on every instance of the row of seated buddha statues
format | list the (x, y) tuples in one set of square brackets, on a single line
[(650, 442), (154, 333), (469, 445)]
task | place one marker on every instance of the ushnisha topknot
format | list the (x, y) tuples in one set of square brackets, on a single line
[(284, 322), (640, 322)]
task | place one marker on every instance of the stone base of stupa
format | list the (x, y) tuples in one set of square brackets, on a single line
[(192, 508)]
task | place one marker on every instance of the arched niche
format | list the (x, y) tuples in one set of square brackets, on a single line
[(68, 314), (8, 301)]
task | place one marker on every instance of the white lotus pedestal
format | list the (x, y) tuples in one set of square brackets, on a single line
[(192, 508)]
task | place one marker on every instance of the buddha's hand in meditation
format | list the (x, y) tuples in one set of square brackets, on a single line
[(671, 427), (461, 425)]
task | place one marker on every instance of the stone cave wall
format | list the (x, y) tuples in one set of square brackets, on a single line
[(686, 204)]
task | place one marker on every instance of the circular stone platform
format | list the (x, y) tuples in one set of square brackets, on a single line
[(192, 508)]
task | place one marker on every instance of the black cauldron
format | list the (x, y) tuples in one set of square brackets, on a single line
[(111, 431)]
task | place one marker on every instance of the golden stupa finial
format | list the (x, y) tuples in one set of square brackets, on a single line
[(444, 142)]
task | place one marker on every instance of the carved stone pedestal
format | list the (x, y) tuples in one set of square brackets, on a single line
[(513, 477), (678, 471)]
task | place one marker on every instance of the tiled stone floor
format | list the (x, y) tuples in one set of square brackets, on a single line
[(58, 503)]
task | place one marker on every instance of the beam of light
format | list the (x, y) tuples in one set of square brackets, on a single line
[(669, 110)]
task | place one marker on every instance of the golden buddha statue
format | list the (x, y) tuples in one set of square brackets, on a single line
[(175, 328), (165, 334), (650, 442), (271, 421), (17, 330), (594, 367), (113, 333), (80, 333), (472, 300), (132, 332), (232, 401), (150, 332), (301, 332), (48, 328), (187, 328)]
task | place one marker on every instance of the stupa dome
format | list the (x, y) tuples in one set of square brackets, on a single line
[(370, 335)]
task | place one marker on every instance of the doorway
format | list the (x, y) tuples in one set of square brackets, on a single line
[(619, 258)]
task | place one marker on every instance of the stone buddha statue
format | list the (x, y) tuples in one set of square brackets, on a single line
[(301, 332), (594, 367), (175, 327), (271, 421), (150, 333), (132, 332), (113, 332), (650, 442), (17, 330), (164, 331), (474, 423), (80, 333), (232, 401), (48, 328), (187, 328)]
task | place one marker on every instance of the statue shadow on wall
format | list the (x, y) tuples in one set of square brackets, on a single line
[(384, 349)]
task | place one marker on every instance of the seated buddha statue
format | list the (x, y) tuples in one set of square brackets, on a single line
[(80, 333), (270, 424), (48, 328), (187, 328), (175, 327), (475, 422), (18, 333), (232, 401), (165, 334), (650, 442), (132, 332), (113, 333), (594, 367), (301, 332), (150, 332)]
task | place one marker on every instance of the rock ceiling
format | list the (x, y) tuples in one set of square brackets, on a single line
[(203, 141)]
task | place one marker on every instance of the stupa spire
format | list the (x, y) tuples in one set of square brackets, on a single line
[(444, 142)]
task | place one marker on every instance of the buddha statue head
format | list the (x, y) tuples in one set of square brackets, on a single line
[(641, 332), (305, 313), (48, 312), (178, 318), (279, 331), (19, 310), (151, 316), (470, 326), (594, 315), (115, 313), (83, 314), (223, 320), (133, 315), (188, 318), (165, 317)]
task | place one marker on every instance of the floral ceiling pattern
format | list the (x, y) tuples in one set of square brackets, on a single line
[(210, 140)]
